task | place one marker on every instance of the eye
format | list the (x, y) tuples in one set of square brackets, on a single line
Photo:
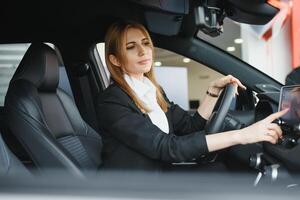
[(146, 43), (129, 47)]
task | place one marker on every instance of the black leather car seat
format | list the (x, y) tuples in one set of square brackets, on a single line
[(45, 119)]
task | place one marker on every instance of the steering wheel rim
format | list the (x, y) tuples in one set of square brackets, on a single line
[(216, 119)]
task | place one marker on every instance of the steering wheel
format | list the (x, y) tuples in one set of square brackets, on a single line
[(214, 124), (216, 119)]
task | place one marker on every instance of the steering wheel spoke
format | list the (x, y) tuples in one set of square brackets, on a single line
[(216, 120)]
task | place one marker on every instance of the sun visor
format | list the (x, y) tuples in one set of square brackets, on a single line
[(162, 23), (164, 16), (176, 7)]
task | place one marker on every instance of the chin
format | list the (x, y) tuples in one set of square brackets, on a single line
[(146, 69)]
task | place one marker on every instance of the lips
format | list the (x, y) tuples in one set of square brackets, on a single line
[(145, 61)]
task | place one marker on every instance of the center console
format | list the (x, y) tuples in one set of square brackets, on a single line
[(281, 159)]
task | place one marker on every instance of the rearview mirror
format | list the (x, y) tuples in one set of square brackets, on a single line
[(209, 15)]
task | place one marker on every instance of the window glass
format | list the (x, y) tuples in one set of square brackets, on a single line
[(196, 78), (265, 47), (10, 57)]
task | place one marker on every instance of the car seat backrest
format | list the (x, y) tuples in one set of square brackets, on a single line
[(45, 119)]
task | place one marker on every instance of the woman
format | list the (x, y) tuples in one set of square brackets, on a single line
[(141, 128)]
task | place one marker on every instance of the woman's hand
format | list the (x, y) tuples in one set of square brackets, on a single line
[(209, 101), (264, 130), (217, 85)]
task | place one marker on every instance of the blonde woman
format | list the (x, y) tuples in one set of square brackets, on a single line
[(141, 128)]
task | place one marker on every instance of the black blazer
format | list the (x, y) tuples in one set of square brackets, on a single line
[(131, 141)]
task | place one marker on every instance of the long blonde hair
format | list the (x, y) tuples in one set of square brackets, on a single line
[(114, 45)]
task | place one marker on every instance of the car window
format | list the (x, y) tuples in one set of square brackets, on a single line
[(189, 79), (11, 56), (184, 80)]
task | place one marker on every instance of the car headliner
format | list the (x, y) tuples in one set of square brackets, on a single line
[(28, 21)]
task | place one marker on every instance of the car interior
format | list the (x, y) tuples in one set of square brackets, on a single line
[(48, 126)]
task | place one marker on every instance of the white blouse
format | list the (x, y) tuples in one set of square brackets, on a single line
[(146, 92)]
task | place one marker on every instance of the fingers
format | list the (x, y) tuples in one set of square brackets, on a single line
[(236, 89), (231, 79), (269, 138), (274, 127), (235, 80), (224, 81), (276, 115), (273, 133), (221, 83)]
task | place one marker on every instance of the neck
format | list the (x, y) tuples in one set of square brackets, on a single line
[(137, 76)]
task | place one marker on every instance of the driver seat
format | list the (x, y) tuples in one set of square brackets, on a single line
[(45, 119)]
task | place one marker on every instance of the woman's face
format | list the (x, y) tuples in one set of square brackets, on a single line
[(138, 52)]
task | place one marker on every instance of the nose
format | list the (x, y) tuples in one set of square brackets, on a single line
[(141, 50)]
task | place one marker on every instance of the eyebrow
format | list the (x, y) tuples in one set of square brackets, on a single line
[(135, 42)]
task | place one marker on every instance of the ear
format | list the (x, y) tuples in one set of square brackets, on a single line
[(113, 59)]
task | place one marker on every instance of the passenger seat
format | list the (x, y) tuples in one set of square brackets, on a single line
[(45, 119)]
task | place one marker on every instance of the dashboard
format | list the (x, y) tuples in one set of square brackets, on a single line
[(286, 152)]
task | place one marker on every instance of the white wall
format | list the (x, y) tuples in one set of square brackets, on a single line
[(174, 81), (199, 78)]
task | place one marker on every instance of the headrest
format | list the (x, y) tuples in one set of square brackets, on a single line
[(40, 67)]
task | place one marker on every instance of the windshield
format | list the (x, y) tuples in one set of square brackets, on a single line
[(265, 47)]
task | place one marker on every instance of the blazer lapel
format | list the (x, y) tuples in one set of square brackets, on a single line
[(133, 106)]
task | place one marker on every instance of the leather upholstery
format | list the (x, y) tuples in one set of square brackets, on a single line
[(45, 119), (9, 163), (40, 67)]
